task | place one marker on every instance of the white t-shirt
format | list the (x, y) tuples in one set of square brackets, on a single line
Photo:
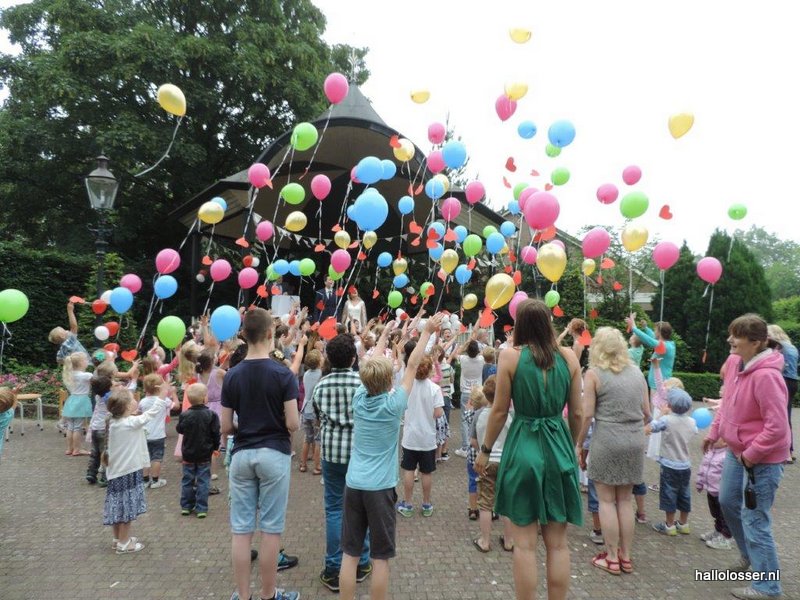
[(480, 432), (419, 426), (155, 429), (81, 383), (471, 373)]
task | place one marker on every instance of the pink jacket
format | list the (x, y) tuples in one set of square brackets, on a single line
[(753, 418), (710, 472)]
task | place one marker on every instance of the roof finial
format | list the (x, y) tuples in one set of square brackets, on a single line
[(352, 77)]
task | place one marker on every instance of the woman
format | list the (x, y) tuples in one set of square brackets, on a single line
[(752, 421), (778, 336), (537, 482), (661, 342), (615, 394), (355, 311)]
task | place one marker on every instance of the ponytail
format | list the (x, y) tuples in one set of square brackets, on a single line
[(67, 373)]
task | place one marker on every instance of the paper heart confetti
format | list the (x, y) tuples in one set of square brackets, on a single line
[(207, 260), (276, 291), (415, 241), (441, 275), (450, 236), (320, 305), (665, 213), (433, 234), (129, 355), (414, 300), (534, 173), (505, 183), (362, 256), (77, 300), (471, 264), (593, 314), (353, 245), (336, 228), (340, 292), (599, 280), (462, 329), (487, 318), (327, 330), (507, 328), (394, 141), (319, 247), (585, 338), (431, 244), (262, 291), (517, 277), (548, 187), (414, 228), (557, 312), (661, 348), (607, 264), (375, 293), (510, 166), (617, 286), (508, 269), (243, 243)]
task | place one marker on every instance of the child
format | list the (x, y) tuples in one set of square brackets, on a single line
[(8, 400), (709, 477), (67, 341), (636, 350), (200, 429), (100, 387), (443, 377), (659, 402), (676, 466), (310, 422), (78, 406), (124, 458), (155, 430), (591, 493), (489, 367), (478, 402)]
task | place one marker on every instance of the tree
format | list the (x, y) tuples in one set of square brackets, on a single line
[(780, 259)]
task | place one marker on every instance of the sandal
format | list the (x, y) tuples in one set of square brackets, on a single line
[(303, 468), (130, 546), (503, 543), (626, 565), (477, 543), (611, 566), (81, 453)]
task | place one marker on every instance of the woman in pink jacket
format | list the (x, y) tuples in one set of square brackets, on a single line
[(753, 422)]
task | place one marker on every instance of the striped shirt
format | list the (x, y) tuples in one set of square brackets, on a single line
[(446, 382), (333, 404)]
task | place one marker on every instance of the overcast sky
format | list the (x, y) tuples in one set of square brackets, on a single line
[(617, 69)]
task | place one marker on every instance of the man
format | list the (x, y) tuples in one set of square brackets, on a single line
[(326, 302), (333, 397), (263, 393)]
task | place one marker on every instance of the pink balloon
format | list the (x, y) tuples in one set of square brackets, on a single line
[(560, 244), (523, 197), (607, 193), (709, 269), (258, 175), (435, 162), (436, 133), (528, 255), (336, 87), (131, 282), (220, 269), (340, 260), (515, 300), (596, 242), (167, 261), (450, 208), (631, 175), (505, 108), (665, 255), (353, 177), (248, 277), (320, 186), (541, 210), (474, 192), (264, 230)]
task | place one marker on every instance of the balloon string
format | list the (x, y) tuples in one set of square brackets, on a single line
[(584, 297), (195, 224), (283, 160), (730, 247), (319, 141), (208, 301), (630, 286), (441, 293), (250, 205), (400, 243), (5, 335), (149, 314), (663, 284), (166, 154), (708, 325), (210, 240)]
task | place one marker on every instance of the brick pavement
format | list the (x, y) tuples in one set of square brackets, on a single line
[(53, 544)]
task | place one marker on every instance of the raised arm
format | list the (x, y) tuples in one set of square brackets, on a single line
[(380, 347), (298, 356), (431, 326), (73, 322)]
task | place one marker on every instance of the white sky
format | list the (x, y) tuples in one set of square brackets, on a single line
[(617, 69)]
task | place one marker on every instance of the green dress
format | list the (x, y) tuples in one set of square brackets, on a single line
[(538, 475)]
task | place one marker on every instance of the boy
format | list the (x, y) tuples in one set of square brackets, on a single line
[(676, 465), (8, 401), (67, 341), (155, 429), (200, 428), (372, 475)]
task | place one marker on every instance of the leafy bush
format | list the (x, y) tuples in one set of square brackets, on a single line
[(700, 385), (33, 380), (787, 309), (792, 329)]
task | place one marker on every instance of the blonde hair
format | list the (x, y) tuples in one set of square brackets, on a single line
[(673, 382), (609, 350), (151, 383), (376, 375), (56, 334), (313, 359), (477, 398), (489, 388), (7, 398), (106, 368), (488, 354), (189, 354), (197, 393), (776, 332), (73, 363)]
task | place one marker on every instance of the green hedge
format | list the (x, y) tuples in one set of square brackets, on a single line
[(700, 385)]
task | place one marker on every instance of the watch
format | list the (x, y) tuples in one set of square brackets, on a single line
[(485, 450)]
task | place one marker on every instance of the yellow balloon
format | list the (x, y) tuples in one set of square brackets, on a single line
[(405, 151), (504, 249), (296, 221), (172, 100), (519, 35), (680, 124), (399, 266), (211, 213), (449, 260), (516, 90), (369, 239), (588, 266), (342, 239), (445, 181), (420, 96), (634, 237), (470, 301), (552, 260), (499, 290)]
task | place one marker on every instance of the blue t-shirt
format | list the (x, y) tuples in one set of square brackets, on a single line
[(376, 427), (256, 390), (5, 419)]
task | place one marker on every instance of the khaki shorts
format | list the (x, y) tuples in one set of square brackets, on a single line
[(486, 487)]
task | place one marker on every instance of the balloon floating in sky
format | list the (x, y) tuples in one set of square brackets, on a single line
[(737, 212), (561, 133), (336, 87), (551, 150), (552, 260), (519, 35), (709, 269), (304, 136), (211, 213), (420, 97), (404, 152), (526, 130), (607, 193), (499, 290), (680, 124), (172, 100), (665, 255), (436, 133), (634, 205), (14, 305), (258, 175), (516, 90), (631, 175), (505, 107), (634, 237)]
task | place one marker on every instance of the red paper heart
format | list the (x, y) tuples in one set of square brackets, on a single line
[(129, 355), (557, 312), (112, 347), (207, 260), (243, 243), (433, 234), (661, 348), (545, 235), (394, 141), (375, 293), (362, 256), (320, 305), (505, 183), (510, 166), (247, 261), (534, 173), (450, 236), (585, 338), (664, 213), (599, 280), (617, 286), (262, 291), (517, 277), (462, 329), (508, 269), (512, 257), (487, 318), (507, 328), (77, 300), (414, 228), (340, 292), (113, 327), (607, 264), (276, 291), (414, 300), (471, 264), (327, 330), (319, 247), (353, 245), (336, 228), (419, 189), (593, 314), (548, 187), (415, 241)]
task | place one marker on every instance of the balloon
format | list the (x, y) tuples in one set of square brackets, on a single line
[(634, 237), (680, 124), (369, 170), (384, 259), (405, 205), (518, 35), (561, 133), (665, 255), (221, 269), (709, 269), (737, 212), (333, 274), (395, 299), (165, 287), (404, 151), (518, 189), (450, 208), (702, 416), (106, 296), (132, 282), (121, 299), (389, 169), (171, 331), (495, 242), (436, 252), (167, 261), (528, 255), (505, 107), (296, 221), (516, 90), (474, 192), (449, 260), (513, 207), (463, 274), (293, 193), (552, 151), (400, 281), (559, 176), (461, 233), (560, 244), (607, 193), (454, 154), (341, 260), (551, 260), (631, 175), (552, 298), (420, 97), (489, 230), (470, 301), (271, 274), (101, 333), (634, 205), (98, 306), (294, 268), (225, 322), (321, 186), (304, 136), (264, 231), (515, 300), (499, 290), (258, 175), (595, 242), (281, 267), (526, 130), (336, 87), (443, 179), (472, 245), (172, 100), (248, 277), (541, 210), (399, 266), (507, 228), (307, 267), (434, 189), (427, 289), (436, 133), (113, 327), (436, 161), (14, 305), (221, 202), (342, 239), (372, 210), (369, 239), (588, 266), (211, 213)]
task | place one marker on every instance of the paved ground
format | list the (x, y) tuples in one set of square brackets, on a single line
[(53, 544)]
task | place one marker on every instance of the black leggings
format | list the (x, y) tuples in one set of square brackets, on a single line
[(716, 513)]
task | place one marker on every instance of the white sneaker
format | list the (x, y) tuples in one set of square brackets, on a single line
[(214, 477), (709, 534), (597, 537), (719, 542), (460, 452), (158, 484)]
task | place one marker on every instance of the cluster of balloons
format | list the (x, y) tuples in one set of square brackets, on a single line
[(213, 211)]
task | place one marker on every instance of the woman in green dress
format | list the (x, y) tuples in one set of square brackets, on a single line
[(537, 483)]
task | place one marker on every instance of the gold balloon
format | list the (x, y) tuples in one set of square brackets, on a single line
[(519, 35), (680, 124), (444, 180), (399, 266), (420, 96), (516, 90), (588, 266), (449, 260), (470, 301), (369, 239), (405, 151), (499, 290), (504, 250), (552, 260), (172, 100), (211, 213), (634, 237), (342, 239), (296, 221)]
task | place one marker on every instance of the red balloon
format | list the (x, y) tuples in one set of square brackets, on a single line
[(99, 307), (112, 347), (113, 327)]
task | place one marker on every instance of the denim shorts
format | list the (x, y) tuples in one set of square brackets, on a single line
[(472, 479), (73, 423), (156, 449), (311, 430), (675, 492), (259, 483)]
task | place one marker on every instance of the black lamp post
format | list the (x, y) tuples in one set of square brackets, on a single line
[(102, 187)]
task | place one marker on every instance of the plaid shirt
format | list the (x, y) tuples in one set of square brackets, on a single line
[(333, 405)]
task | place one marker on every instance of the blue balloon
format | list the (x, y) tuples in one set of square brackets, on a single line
[(463, 274), (439, 228), (280, 266), (294, 268), (405, 205), (121, 300), (384, 259), (225, 322), (349, 212), (461, 233), (400, 281), (369, 170), (221, 202), (561, 133), (371, 211), (526, 130), (434, 189), (703, 417), (513, 207), (454, 154), (389, 169), (508, 228), (495, 242), (165, 287), (436, 252)]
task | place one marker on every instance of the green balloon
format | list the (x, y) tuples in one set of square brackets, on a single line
[(518, 189), (559, 176), (271, 274), (423, 289), (307, 267), (552, 151), (171, 331), (472, 245), (395, 299), (737, 212), (293, 193), (488, 230), (333, 274), (304, 136), (552, 298), (13, 305), (634, 205)]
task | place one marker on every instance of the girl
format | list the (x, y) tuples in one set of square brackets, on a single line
[(211, 376), (78, 406), (101, 389), (125, 457), (188, 355), (442, 376)]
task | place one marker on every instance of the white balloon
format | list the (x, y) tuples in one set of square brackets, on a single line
[(255, 262), (201, 278), (106, 297), (101, 333)]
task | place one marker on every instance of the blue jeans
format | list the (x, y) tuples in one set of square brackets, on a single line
[(191, 498), (675, 490), (259, 484), (591, 496), (334, 476), (752, 529), (464, 428)]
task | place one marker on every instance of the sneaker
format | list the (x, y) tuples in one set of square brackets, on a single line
[(284, 595), (91, 479), (147, 484), (719, 542), (186, 511), (362, 572), (154, 485), (213, 491), (214, 477), (665, 529), (460, 452), (286, 561), (406, 510), (445, 456), (740, 566), (641, 518), (709, 535), (597, 537), (683, 528), (129, 547), (330, 580), (201, 515), (749, 593), (102, 482), (427, 510)]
